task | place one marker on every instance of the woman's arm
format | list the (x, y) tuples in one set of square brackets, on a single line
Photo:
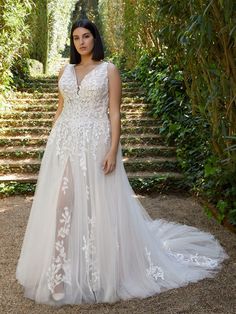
[(114, 115), (60, 100)]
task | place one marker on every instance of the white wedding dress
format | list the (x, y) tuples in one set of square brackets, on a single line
[(88, 238)]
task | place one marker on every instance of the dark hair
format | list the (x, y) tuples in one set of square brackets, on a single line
[(98, 51)]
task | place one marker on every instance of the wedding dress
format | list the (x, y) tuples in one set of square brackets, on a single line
[(88, 238)]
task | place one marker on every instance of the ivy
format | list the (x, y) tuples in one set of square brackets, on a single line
[(205, 173), (59, 22), (14, 34), (16, 188)]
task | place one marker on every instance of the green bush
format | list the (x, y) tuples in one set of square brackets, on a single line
[(14, 34), (190, 132)]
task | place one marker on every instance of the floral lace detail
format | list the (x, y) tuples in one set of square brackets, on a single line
[(87, 192), (65, 186), (84, 120), (196, 259), (86, 135), (154, 271), (89, 249), (59, 271)]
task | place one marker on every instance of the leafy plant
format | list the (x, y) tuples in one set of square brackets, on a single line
[(14, 34), (206, 173), (185, 52)]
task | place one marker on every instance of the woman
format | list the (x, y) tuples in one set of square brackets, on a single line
[(88, 238)]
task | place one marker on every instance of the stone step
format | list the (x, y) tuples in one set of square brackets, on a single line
[(18, 96), (53, 82), (134, 164), (48, 122), (29, 140), (32, 177), (32, 165), (43, 97), (50, 114), (148, 151), (26, 115), (34, 130), (39, 83), (54, 89), (34, 81), (23, 152), (141, 182), (52, 78), (53, 106), (52, 92)]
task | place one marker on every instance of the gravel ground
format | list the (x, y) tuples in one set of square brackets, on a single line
[(215, 295)]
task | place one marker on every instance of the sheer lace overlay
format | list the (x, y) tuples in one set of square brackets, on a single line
[(59, 271), (82, 122), (88, 238), (89, 248)]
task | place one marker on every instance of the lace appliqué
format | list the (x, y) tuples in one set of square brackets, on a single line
[(87, 192), (77, 139), (83, 124), (89, 249), (154, 271), (65, 186), (59, 271), (195, 259)]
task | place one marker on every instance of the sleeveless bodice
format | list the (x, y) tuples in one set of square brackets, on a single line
[(83, 124), (92, 99)]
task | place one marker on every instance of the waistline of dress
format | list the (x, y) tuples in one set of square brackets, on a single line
[(87, 119)]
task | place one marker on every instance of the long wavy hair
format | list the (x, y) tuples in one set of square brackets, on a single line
[(98, 50)]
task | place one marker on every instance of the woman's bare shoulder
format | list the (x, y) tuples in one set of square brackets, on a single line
[(62, 70), (112, 70), (111, 66)]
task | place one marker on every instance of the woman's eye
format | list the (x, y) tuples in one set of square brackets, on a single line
[(76, 38)]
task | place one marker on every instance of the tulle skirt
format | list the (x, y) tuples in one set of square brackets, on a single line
[(89, 239)]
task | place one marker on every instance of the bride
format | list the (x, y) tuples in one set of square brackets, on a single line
[(88, 238)]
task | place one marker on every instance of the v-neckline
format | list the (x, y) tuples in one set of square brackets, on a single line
[(74, 71)]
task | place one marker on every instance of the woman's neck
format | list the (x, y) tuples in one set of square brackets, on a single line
[(86, 60)]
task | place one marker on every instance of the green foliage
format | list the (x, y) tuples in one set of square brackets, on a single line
[(49, 24), (205, 173), (30, 29), (39, 32), (166, 91), (200, 37), (119, 61), (111, 16), (14, 34), (129, 28), (59, 18), (219, 185), (21, 73), (186, 55), (197, 37), (15, 188), (157, 183)]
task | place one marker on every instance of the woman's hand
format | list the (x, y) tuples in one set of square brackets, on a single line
[(109, 162)]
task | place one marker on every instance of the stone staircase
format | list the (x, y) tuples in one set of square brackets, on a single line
[(26, 123)]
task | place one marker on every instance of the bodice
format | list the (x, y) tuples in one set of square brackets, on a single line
[(92, 99), (84, 122)]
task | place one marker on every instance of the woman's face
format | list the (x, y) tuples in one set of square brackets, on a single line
[(83, 40)]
